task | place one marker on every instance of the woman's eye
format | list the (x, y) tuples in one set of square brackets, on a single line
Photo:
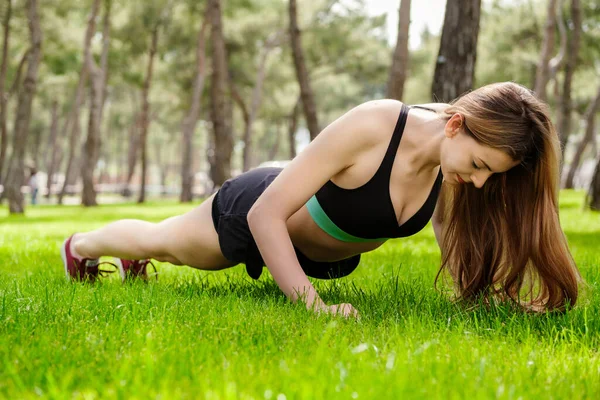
[(475, 165)]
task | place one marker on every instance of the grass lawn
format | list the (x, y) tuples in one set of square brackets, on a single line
[(201, 335)]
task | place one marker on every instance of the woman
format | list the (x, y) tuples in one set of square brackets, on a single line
[(373, 174)]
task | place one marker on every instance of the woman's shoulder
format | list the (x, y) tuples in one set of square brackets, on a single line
[(378, 116), (381, 109), (384, 113)]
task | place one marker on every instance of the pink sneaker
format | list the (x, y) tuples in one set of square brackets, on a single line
[(85, 269), (133, 269)]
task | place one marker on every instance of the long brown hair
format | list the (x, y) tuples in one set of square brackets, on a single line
[(505, 240)]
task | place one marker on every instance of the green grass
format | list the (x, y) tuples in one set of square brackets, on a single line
[(195, 334)]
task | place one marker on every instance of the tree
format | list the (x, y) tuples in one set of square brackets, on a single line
[(52, 148), (593, 195), (546, 67), (188, 125), (219, 107), (133, 146), (72, 128), (306, 93), (588, 137), (3, 100), (455, 64), (98, 78), (395, 86), (250, 113), (15, 176), (563, 119), (292, 128), (145, 113)]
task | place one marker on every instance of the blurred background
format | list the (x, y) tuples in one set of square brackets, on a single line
[(112, 100)]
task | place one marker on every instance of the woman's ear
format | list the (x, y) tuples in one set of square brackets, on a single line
[(453, 125)]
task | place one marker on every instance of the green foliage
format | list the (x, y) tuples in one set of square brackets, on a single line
[(347, 54), (507, 51)]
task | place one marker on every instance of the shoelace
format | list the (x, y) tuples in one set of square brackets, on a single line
[(95, 271), (140, 266)]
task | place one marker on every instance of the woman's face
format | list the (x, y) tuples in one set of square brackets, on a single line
[(465, 160)]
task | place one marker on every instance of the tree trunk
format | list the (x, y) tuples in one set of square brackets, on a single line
[(14, 88), (237, 98), (104, 174), (543, 75), (558, 60), (565, 106), (395, 86), (16, 167), (72, 128), (306, 93), (163, 166), (593, 196), (36, 134), (3, 102), (274, 149), (255, 102), (210, 157), (145, 115), (219, 107), (590, 114), (256, 99), (191, 119), (97, 89), (4, 143), (132, 153), (455, 65), (106, 152), (52, 148), (292, 128), (91, 145)]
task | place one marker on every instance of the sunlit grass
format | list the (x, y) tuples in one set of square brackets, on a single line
[(195, 334)]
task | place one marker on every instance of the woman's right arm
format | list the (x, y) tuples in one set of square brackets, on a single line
[(335, 149)]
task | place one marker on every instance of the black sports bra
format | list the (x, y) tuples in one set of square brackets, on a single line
[(367, 213)]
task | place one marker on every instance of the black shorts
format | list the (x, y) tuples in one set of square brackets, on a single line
[(229, 213)]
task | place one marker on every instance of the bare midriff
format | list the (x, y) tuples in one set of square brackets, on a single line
[(318, 245)]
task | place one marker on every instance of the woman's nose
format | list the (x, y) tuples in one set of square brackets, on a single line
[(479, 178)]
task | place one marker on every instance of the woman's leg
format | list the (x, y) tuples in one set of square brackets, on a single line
[(188, 239)]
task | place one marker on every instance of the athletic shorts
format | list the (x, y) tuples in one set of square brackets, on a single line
[(229, 213)]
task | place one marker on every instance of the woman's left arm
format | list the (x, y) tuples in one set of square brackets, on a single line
[(437, 219)]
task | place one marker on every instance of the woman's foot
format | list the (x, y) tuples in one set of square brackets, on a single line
[(79, 268)]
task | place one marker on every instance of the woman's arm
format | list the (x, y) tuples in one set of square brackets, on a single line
[(437, 218), (437, 230), (335, 149)]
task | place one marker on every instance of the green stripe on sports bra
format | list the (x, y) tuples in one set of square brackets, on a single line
[(322, 220)]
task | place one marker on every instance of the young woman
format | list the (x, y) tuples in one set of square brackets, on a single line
[(376, 173)]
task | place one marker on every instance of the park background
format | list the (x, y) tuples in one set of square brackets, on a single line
[(117, 103), (173, 97)]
